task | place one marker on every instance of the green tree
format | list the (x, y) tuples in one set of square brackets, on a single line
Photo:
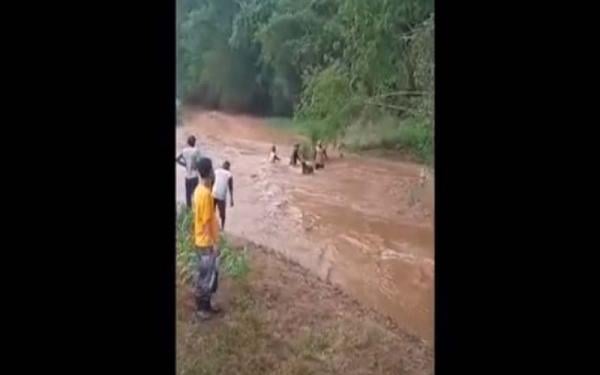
[(330, 63)]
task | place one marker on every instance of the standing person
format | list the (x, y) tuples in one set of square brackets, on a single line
[(187, 159), (295, 158), (320, 156), (223, 184), (206, 236)]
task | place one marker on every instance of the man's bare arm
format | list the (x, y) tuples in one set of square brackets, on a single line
[(231, 190)]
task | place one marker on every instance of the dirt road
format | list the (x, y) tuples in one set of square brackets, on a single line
[(363, 224)]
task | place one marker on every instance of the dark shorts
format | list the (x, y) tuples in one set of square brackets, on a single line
[(319, 166)]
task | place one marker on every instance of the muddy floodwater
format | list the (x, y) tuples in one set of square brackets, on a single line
[(362, 223)]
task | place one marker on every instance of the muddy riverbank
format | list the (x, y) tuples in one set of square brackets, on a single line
[(364, 224)]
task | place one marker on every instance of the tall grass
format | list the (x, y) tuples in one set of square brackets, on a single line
[(234, 263), (184, 245), (413, 136)]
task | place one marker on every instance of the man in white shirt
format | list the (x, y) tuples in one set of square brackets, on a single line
[(188, 158), (223, 184)]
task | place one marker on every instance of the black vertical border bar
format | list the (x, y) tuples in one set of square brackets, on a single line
[(163, 50)]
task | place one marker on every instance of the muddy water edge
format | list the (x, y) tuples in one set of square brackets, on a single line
[(362, 223)]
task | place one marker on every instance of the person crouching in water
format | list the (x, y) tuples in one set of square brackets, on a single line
[(306, 168), (273, 155), (206, 237), (320, 156), (296, 158), (223, 184)]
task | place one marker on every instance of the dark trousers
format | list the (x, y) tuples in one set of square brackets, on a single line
[(190, 186), (222, 207), (207, 277)]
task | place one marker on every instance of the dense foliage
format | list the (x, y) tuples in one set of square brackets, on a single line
[(342, 67)]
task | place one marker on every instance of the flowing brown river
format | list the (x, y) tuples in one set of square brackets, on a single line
[(362, 223)]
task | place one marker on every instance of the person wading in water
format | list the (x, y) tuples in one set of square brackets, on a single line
[(320, 156), (295, 158), (273, 155)]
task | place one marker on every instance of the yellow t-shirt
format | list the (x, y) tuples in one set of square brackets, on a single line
[(206, 227)]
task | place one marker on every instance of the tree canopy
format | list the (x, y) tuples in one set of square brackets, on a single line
[(330, 62)]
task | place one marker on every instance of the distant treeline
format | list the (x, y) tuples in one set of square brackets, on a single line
[(329, 62)]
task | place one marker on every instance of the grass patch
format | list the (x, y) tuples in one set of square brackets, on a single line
[(234, 263), (238, 346), (288, 124), (282, 123), (411, 136), (305, 128), (184, 245), (315, 346)]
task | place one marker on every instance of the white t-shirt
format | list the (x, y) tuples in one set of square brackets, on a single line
[(221, 185), (190, 155)]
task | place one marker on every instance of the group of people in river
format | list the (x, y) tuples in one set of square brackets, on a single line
[(320, 157), (206, 192)]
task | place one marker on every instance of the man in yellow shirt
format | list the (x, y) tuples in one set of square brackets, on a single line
[(206, 237)]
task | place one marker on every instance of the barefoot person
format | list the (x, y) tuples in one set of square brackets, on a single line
[(187, 159), (206, 236), (223, 184)]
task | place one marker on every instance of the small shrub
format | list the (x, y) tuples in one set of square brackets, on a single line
[(233, 262)]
